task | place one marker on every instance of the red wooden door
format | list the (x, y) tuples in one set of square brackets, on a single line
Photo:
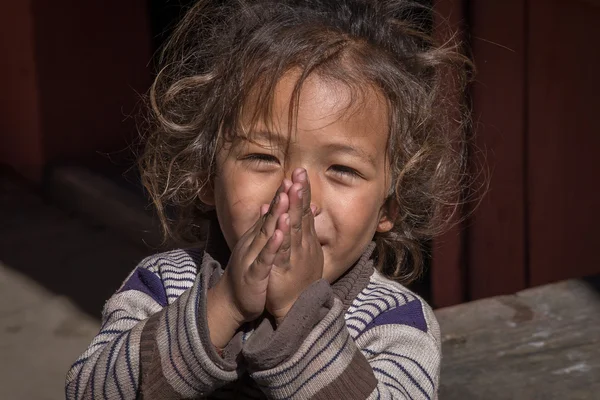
[(496, 237), (486, 256), (71, 73), (536, 101), (563, 139)]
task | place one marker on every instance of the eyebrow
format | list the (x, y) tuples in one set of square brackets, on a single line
[(264, 135), (333, 147), (345, 148)]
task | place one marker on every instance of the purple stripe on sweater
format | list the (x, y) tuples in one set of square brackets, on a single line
[(147, 282), (389, 385), (111, 353), (410, 314)]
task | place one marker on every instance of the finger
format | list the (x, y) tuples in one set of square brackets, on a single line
[(295, 212), (249, 236), (282, 259), (302, 177), (313, 210), (287, 184), (266, 226), (283, 188), (264, 209), (308, 224), (261, 267), (308, 218)]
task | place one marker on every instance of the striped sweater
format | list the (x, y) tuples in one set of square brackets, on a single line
[(362, 337)]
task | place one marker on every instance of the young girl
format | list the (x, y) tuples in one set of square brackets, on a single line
[(312, 135)]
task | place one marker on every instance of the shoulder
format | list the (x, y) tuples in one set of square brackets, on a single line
[(165, 276), (384, 302), (175, 260)]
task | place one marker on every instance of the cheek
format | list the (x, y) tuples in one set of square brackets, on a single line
[(354, 221), (356, 214), (235, 209), (238, 197)]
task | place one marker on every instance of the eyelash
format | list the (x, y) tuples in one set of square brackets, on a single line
[(345, 171), (340, 170), (258, 158)]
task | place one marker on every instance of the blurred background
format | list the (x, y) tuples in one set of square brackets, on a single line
[(74, 220)]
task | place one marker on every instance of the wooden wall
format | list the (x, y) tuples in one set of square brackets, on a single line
[(71, 70), (563, 139), (496, 254), (20, 144), (535, 102)]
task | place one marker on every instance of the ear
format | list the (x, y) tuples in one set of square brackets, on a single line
[(207, 194), (387, 216)]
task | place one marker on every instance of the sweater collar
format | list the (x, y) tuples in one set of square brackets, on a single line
[(349, 285)]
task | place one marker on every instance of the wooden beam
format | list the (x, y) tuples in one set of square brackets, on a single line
[(540, 343)]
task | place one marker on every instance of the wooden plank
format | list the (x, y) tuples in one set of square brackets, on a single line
[(447, 266), (542, 343), (496, 255), (564, 140)]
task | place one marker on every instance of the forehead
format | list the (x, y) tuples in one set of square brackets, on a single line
[(321, 109)]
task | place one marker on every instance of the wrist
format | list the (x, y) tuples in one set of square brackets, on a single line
[(280, 314), (222, 320)]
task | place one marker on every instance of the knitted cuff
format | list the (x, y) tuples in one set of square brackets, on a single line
[(267, 348)]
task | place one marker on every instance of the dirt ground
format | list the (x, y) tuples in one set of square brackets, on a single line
[(56, 271)]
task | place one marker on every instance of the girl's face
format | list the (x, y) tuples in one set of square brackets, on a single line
[(341, 145)]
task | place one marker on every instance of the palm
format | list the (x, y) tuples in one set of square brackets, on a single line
[(287, 283)]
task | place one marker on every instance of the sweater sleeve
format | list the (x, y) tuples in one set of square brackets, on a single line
[(149, 349), (312, 354)]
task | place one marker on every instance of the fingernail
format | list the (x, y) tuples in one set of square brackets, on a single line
[(302, 176), (287, 220), (300, 193)]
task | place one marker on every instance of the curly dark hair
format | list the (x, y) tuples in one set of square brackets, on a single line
[(223, 51)]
